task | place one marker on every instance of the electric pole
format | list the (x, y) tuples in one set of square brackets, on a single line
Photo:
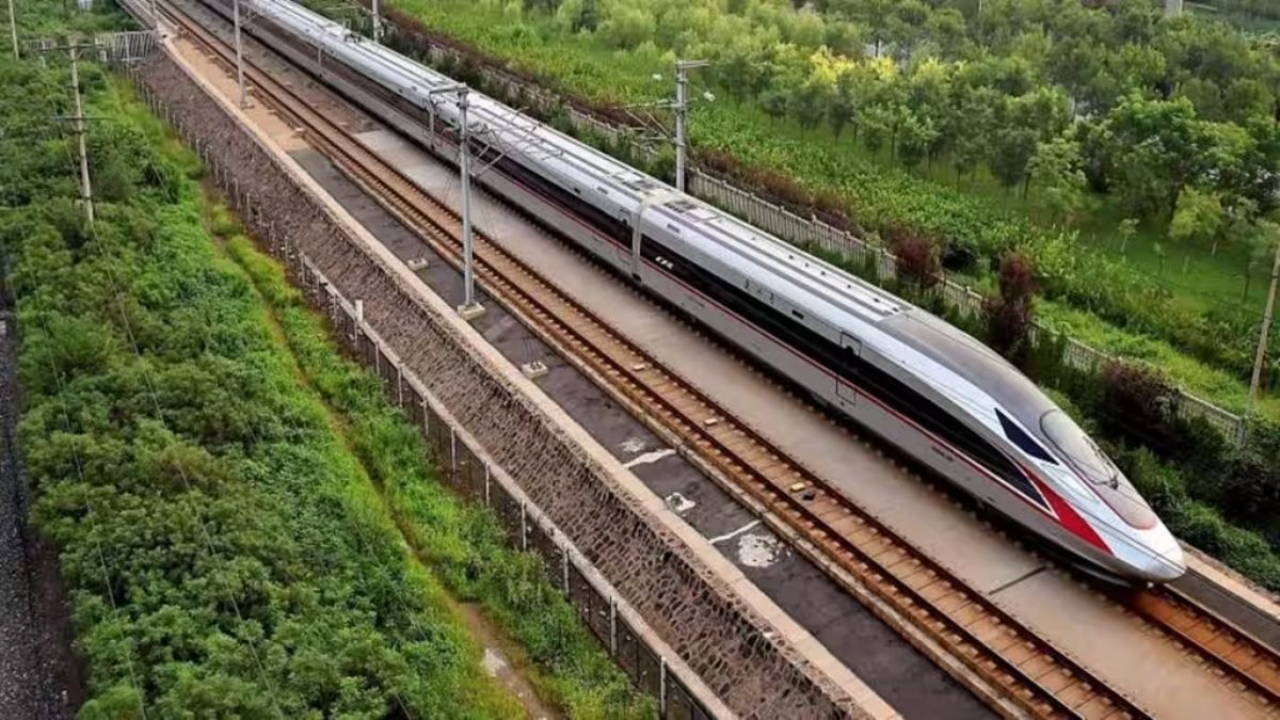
[(681, 105), (13, 29), (1267, 318), (244, 102), (86, 190), (377, 22), (469, 308)]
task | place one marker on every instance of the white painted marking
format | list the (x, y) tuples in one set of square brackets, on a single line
[(649, 457), (735, 533), (632, 445), (679, 504), (759, 551)]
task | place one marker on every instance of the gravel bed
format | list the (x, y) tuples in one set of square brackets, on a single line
[(39, 675)]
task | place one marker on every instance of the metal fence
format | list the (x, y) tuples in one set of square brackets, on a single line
[(463, 464), (813, 232)]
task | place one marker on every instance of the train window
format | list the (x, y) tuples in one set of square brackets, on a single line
[(1089, 460), (798, 314), (1019, 437)]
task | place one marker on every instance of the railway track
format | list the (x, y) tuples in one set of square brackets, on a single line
[(1021, 675), (1253, 667)]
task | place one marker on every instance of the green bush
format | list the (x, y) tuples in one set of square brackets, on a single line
[(463, 543), (223, 547)]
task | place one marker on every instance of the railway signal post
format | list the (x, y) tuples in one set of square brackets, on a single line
[(469, 308)]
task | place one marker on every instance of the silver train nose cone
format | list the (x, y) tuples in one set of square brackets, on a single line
[(1167, 566)]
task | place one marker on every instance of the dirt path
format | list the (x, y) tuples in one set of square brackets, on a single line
[(502, 658), (499, 652), (39, 675)]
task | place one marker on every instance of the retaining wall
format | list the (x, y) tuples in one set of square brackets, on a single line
[(703, 621)]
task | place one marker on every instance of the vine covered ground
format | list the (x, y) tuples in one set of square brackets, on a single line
[(244, 526)]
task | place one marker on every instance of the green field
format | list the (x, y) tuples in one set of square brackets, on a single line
[(881, 194)]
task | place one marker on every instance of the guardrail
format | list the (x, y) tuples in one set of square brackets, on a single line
[(465, 466)]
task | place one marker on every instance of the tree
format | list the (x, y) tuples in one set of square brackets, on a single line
[(627, 26), (1261, 244), (809, 101), (578, 15), (1197, 219), (843, 103), (1011, 149), (1154, 148), (916, 138), (1057, 172)]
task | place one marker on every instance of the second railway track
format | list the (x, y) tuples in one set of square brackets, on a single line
[(1021, 675)]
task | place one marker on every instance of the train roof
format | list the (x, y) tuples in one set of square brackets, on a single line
[(839, 299)]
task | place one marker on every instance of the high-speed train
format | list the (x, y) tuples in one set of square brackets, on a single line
[(919, 383)]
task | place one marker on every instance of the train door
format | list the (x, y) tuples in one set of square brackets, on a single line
[(850, 352), (623, 250)]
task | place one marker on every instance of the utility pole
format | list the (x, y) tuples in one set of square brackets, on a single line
[(681, 105), (1267, 318), (469, 309), (13, 30), (377, 22), (244, 102), (86, 190)]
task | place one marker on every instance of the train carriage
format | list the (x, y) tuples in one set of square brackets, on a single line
[(919, 383)]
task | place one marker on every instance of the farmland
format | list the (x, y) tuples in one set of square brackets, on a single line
[(1183, 293)]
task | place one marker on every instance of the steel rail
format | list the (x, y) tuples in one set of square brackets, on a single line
[(1233, 652), (1019, 667)]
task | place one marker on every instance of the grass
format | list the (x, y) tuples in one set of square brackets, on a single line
[(1201, 380), (462, 543), (584, 66)]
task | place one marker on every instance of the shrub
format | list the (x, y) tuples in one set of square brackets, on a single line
[(1009, 312), (919, 262), (1136, 403)]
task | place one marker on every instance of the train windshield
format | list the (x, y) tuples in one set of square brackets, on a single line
[(1090, 461)]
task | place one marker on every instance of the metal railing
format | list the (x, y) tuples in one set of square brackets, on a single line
[(813, 232), (463, 464)]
